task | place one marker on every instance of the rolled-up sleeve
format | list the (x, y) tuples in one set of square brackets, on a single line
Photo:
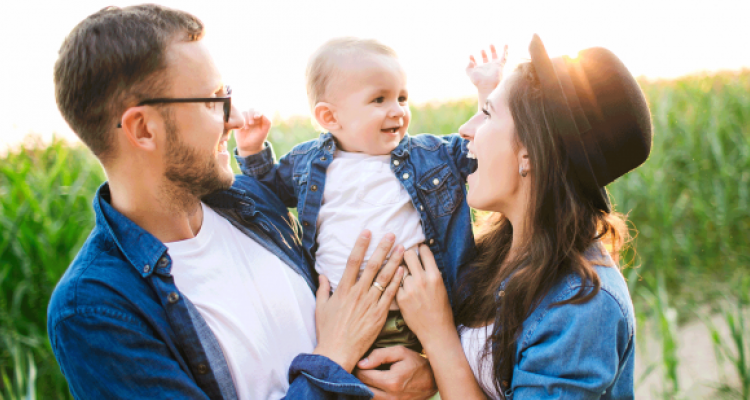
[(313, 376)]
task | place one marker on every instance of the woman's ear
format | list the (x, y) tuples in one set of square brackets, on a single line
[(523, 159), (139, 129), (325, 114)]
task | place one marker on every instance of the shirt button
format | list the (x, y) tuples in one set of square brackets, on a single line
[(396, 162), (435, 181), (146, 268), (432, 241), (314, 188), (323, 158), (405, 176), (202, 369), (421, 207), (173, 297), (163, 262)]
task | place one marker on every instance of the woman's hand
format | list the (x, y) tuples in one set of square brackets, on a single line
[(423, 299), (488, 75), (424, 304), (348, 321)]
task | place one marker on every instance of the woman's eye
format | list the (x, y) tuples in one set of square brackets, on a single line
[(379, 100)]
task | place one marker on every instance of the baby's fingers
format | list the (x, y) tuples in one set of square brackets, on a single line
[(493, 51)]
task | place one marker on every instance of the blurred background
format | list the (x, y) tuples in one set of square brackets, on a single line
[(687, 267)]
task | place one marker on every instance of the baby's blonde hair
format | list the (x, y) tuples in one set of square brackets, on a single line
[(324, 64)]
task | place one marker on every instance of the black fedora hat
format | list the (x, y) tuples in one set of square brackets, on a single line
[(597, 112)]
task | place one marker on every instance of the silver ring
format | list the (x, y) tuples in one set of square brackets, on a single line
[(378, 286)]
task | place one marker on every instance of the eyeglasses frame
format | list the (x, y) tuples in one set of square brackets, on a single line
[(163, 100)]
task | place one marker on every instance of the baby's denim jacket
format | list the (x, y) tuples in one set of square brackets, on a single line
[(432, 169)]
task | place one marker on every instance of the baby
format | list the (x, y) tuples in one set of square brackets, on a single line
[(367, 172)]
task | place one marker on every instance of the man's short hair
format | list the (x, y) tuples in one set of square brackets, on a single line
[(324, 65), (112, 60)]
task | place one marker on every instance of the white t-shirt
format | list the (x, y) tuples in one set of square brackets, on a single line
[(473, 341), (361, 192), (260, 310)]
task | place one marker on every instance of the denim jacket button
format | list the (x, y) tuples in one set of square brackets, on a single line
[(314, 188), (163, 262), (396, 162), (146, 268), (432, 241), (202, 369), (173, 297), (305, 223), (421, 207), (501, 293), (435, 181), (405, 176), (323, 158)]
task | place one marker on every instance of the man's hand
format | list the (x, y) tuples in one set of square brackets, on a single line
[(410, 376), (488, 75), (253, 134)]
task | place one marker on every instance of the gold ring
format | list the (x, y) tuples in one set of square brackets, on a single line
[(379, 286)]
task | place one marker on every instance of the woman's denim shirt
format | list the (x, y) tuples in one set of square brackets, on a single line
[(578, 351), (120, 327), (432, 169)]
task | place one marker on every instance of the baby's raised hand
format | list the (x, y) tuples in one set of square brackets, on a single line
[(487, 76), (253, 134)]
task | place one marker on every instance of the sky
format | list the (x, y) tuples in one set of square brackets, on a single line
[(262, 47)]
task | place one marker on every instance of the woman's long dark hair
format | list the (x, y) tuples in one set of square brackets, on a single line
[(561, 224)]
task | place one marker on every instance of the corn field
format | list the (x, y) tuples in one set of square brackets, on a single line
[(688, 207)]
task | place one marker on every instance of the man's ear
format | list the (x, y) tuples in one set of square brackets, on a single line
[(139, 128), (325, 114)]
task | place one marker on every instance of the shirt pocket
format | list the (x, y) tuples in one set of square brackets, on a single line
[(440, 191)]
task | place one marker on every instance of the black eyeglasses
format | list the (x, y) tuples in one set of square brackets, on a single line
[(226, 100)]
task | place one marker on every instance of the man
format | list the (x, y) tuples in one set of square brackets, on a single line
[(192, 284)]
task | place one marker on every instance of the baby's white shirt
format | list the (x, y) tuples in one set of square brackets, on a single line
[(361, 192)]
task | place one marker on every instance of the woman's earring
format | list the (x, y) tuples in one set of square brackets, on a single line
[(522, 171)]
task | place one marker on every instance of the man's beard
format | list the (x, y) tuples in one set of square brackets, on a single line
[(191, 173)]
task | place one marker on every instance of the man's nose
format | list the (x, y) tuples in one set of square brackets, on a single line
[(469, 128), (236, 120)]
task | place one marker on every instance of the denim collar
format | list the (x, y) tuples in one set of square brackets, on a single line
[(142, 249), (326, 140)]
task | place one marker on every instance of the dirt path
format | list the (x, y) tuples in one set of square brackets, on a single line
[(698, 371)]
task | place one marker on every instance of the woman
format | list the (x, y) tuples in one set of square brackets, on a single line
[(543, 311)]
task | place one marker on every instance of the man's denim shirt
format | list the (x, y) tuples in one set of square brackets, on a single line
[(432, 169), (121, 329), (577, 351)]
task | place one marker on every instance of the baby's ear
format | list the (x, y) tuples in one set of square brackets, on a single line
[(325, 115)]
